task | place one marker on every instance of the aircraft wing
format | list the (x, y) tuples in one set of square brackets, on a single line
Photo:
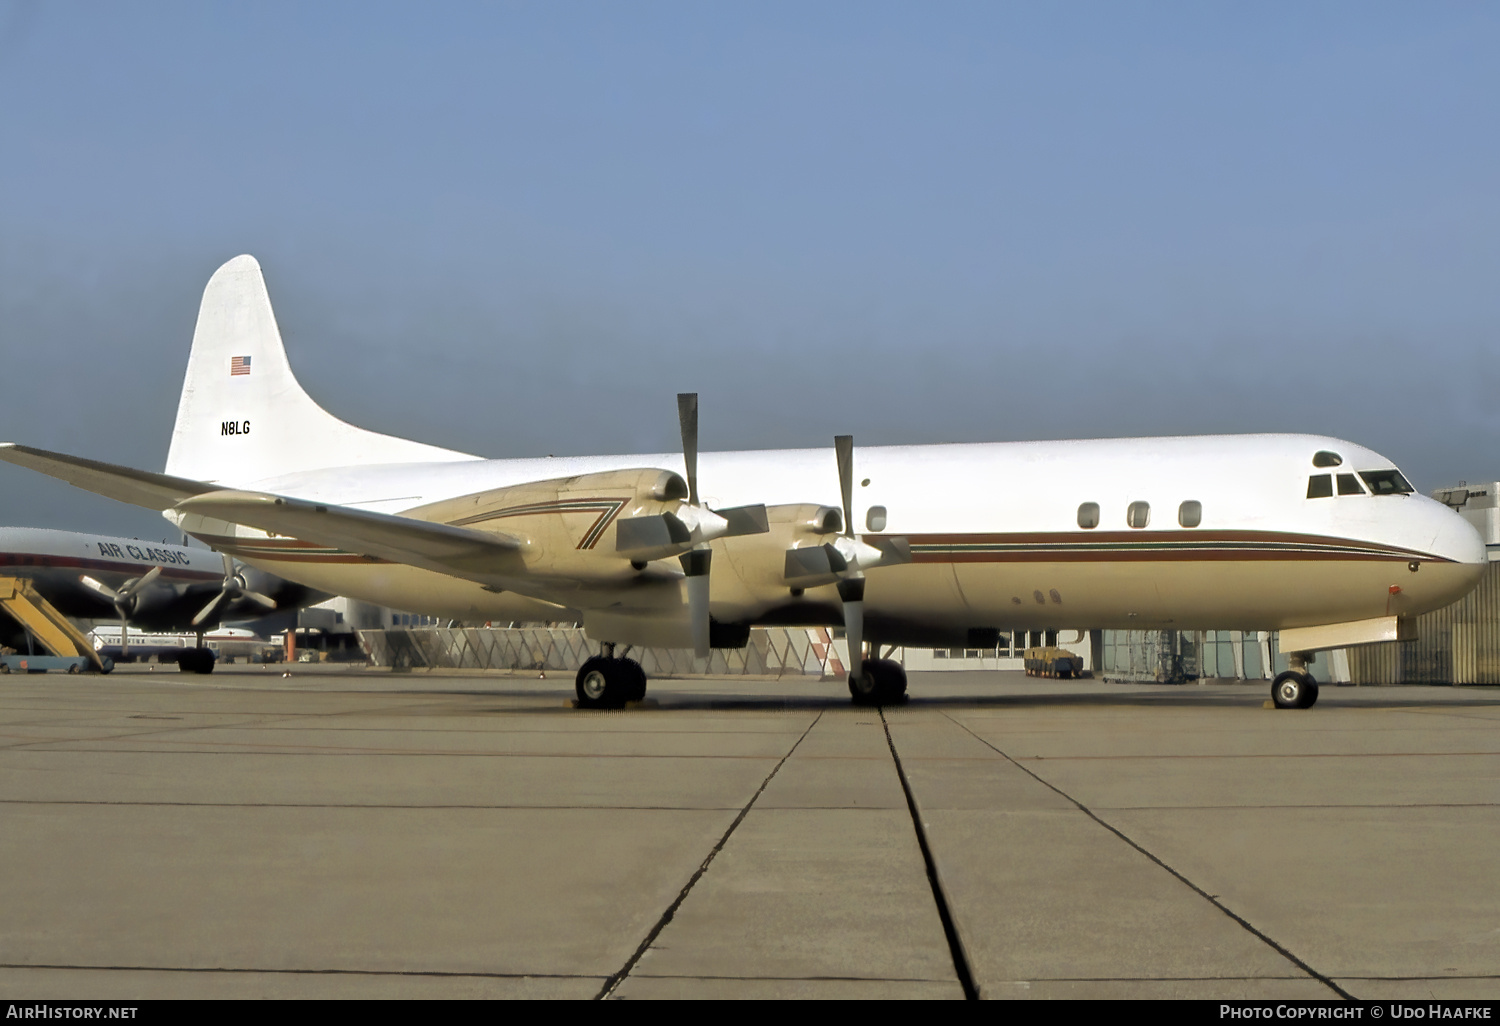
[(137, 487), (445, 548)]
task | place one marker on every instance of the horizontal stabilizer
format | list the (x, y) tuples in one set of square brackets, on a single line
[(138, 487), (459, 551)]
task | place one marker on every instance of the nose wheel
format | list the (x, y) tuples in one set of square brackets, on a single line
[(1294, 689)]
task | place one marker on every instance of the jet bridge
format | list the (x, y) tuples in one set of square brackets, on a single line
[(68, 647)]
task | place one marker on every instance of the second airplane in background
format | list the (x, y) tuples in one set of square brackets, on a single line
[(150, 585)]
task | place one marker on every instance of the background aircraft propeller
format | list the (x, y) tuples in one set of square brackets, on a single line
[(125, 600), (232, 589)]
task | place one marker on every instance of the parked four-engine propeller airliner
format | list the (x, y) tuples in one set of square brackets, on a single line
[(156, 586), (1319, 538)]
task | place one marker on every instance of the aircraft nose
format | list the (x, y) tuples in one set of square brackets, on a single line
[(1456, 539), (1460, 561)]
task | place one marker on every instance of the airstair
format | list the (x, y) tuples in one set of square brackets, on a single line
[(53, 631)]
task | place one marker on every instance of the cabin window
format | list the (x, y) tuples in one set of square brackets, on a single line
[(1327, 459), (1349, 485), (1386, 482), (1190, 513), (1138, 514), (1320, 486), (1088, 515), (875, 519)]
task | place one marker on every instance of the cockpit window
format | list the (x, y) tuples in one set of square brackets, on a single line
[(1386, 482), (1320, 486), (1324, 458), (1349, 485)]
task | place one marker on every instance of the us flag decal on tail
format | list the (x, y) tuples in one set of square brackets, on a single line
[(239, 365)]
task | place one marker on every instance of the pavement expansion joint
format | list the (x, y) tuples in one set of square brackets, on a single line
[(613, 982), (1212, 898), (950, 929)]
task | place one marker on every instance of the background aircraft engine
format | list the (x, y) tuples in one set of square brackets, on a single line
[(131, 599)]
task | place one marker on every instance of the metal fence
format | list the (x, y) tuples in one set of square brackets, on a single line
[(772, 651), (1168, 657)]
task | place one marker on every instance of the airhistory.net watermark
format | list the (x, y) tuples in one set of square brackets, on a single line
[(40, 1010)]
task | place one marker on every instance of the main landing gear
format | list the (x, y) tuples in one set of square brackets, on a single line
[(879, 682), (196, 660), (1295, 689), (605, 682)]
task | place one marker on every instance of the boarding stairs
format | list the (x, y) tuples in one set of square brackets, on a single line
[(53, 631)]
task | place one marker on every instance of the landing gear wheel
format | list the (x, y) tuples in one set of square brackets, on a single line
[(196, 660), (604, 683), (895, 677), (1294, 690), (881, 682), (637, 679)]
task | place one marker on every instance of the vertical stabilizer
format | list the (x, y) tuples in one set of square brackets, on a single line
[(243, 417)]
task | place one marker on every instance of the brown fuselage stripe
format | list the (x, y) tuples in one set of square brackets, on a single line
[(1149, 546), (1186, 546)]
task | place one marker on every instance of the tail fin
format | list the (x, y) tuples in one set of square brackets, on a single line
[(243, 417)]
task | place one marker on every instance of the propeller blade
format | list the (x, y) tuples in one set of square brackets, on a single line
[(813, 564), (651, 537), (852, 592), (892, 550), (228, 567), (101, 588), (852, 587), (695, 565), (140, 582), (687, 417), (264, 601), (843, 446), (210, 609), (124, 632), (745, 520)]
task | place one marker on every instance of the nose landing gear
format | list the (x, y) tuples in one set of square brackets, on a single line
[(1295, 689)]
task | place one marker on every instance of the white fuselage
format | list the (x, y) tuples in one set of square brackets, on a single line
[(995, 534)]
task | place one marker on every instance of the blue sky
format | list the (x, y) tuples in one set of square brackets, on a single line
[(517, 229)]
